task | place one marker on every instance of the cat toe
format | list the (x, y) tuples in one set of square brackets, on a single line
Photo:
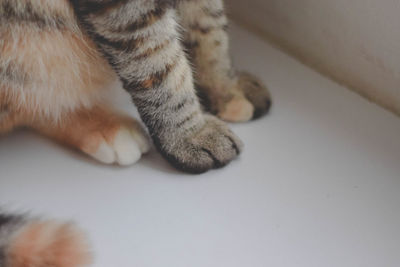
[(126, 148), (256, 92), (104, 153), (238, 109)]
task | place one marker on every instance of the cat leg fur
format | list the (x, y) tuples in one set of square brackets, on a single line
[(233, 96)]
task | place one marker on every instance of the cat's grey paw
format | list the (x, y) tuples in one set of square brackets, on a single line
[(241, 100), (212, 146), (255, 92)]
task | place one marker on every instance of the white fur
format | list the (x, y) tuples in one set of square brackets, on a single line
[(126, 149), (104, 153)]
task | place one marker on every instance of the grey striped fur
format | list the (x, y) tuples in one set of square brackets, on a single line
[(141, 40)]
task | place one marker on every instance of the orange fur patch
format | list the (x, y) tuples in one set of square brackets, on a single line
[(56, 70), (48, 244)]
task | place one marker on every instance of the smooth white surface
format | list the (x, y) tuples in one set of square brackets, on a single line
[(317, 185)]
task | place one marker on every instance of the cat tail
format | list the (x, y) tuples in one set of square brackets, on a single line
[(35, 242)]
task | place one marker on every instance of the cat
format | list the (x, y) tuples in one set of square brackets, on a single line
[(58, 58)]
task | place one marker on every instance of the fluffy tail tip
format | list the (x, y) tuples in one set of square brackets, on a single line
[(48, 243)]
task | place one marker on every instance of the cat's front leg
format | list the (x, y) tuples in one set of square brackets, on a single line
[(141, 41)]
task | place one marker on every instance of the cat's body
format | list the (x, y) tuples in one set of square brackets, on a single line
[(58, 58)]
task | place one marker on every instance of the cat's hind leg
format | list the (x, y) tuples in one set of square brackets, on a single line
[(53, 79), (102, 134), (233, 96), (97, 130)]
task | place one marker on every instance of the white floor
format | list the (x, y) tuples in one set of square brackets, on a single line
[(318, 185)]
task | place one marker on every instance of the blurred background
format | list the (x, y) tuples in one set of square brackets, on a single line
[(357, 43)]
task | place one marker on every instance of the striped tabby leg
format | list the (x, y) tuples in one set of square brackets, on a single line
[(232, 96), (141, 41), (36, 243)]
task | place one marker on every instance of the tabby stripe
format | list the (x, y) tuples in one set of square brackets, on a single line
[(151, 51), (208, 29), (119, 45), (145, 21), (183, 103), (166, 3), (129, 86), (187, 119), (155, 102), (100, 7), (156, 79), (213, 13), (29, 15), (189, 45)]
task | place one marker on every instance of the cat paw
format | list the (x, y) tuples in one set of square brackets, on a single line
[(213, 146), (236, 109), (256, 93), (245, 100), (124, 147)]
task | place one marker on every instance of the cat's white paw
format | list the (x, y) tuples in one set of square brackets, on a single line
[(125, 147)]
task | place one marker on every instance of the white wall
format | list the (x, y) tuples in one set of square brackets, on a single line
[(356, 42)]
